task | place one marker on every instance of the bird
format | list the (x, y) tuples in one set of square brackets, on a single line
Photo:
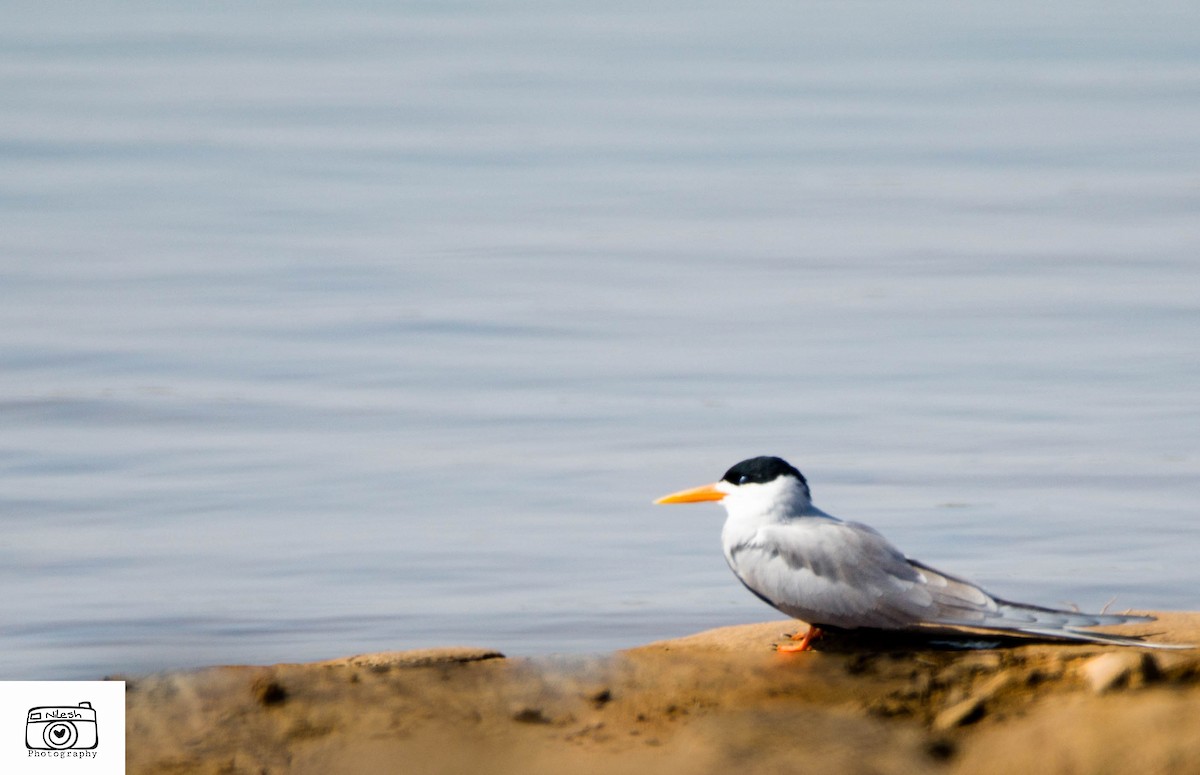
[(840, 575)]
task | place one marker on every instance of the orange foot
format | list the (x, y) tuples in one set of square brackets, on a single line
[(805, 643)]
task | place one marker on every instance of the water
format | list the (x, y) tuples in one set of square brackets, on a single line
[(364, 326)]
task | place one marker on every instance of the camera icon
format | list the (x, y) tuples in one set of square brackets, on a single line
[(58, 727)]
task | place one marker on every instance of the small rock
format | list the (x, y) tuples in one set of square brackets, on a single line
[(940, 749), (530, 716), (993, 686), (1117, 669), (1172, 665), (960, 714), (269, 692), (385, 660)]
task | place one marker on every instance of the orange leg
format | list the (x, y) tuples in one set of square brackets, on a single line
[(805, 643)]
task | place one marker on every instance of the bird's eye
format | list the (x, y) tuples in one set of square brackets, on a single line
[(743, 479)]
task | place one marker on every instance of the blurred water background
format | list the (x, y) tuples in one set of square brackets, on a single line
[(335, 327)]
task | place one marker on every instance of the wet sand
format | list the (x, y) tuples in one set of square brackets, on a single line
[(718, 701)]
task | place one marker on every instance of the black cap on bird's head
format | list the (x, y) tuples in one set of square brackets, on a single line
[(760, 470), (755, 470)]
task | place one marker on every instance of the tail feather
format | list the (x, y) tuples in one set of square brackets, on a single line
[(959, 603), (1023, 614), (1064, 625), (1097, 637)]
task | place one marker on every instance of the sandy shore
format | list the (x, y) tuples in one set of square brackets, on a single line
[(719, 701)]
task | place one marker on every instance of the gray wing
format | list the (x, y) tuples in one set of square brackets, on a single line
[(841, 574), (845, 574)]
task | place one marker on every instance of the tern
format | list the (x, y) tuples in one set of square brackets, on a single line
[(839, 575)]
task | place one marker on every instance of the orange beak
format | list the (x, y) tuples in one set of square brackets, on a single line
[(708, 492)]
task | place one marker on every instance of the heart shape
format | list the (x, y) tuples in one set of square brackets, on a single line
[(60, 732)]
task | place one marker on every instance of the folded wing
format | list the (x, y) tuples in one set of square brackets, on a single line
[(845, 574)]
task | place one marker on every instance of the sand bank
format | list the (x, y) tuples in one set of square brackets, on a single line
[(719, 701)]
